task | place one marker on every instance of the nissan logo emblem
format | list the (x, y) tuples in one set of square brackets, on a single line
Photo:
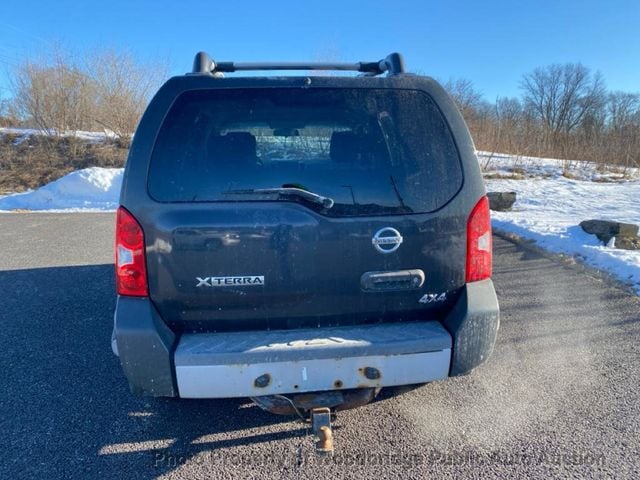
[(387, 240)]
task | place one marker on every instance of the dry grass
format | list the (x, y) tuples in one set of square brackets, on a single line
[(38, 160), (503, 176), (566, 173)]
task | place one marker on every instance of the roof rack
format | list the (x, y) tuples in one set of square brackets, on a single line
[(393, 64)]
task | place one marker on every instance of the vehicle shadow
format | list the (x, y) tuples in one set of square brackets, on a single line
[(67, 409)]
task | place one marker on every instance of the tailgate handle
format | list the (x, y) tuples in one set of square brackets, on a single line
[(392, 280)]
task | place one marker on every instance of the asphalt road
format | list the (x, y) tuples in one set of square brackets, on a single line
[(559, 397)]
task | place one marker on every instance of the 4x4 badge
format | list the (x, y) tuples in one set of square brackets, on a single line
[(433, 298), (387, 240)]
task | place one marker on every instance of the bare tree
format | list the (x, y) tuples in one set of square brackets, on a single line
[(562, 95), (54, 93), (467, 98), (564, 112), (7, 115), (123, 87), (107, 90), (623, 115), (623, 109), (510, 115)]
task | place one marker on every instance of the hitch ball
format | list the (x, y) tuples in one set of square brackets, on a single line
[(324, 444)]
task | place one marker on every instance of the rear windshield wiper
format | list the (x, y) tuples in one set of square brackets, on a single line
[(326, 202)]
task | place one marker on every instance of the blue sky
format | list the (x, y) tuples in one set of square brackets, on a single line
[(489, 42)]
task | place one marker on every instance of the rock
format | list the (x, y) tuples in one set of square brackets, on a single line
[(501, 201), (627, 243), (605, 229)]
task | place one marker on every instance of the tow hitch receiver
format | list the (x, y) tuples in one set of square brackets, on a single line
[(321, 425), (317, 409)]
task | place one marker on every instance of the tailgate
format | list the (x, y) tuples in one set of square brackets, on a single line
[(281, 265)]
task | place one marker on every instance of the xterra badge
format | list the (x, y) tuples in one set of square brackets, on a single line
[(249, 280)]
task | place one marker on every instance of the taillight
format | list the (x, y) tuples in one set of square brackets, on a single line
[(131, 270), (479, 251)]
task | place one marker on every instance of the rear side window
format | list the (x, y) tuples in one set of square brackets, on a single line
[(373, 151)]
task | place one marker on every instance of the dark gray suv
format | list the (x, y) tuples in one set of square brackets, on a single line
[(301, 240)]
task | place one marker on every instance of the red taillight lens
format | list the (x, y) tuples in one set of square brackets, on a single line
[(479, 244), (131, 270)]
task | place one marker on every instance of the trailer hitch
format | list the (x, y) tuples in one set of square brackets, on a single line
[(317, 409), (321, 426)]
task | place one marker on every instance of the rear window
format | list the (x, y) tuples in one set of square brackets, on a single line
[(372, 151)]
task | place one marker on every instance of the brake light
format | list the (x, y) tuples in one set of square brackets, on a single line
[(479, 243), (131, 270)]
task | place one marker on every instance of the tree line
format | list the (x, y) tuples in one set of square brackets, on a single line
[(60, 93), (564, 111)]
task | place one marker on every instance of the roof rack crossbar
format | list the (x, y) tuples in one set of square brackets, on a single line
[(393, 63)]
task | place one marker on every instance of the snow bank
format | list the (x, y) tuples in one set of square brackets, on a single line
[(24, 133), (510, 166), (549, 211), (83, 190)]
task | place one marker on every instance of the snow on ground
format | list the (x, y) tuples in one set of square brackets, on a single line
[(500, 165), (554, 196), (90, 189), (550, 210), (24, 133)]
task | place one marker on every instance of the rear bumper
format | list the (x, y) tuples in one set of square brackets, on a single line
[(473, 324), (250, 364), (243, 364)]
